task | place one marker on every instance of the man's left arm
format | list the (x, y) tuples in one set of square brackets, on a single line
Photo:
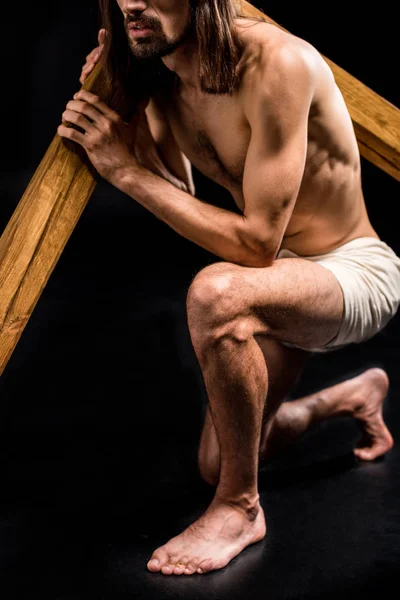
[(276, 101)]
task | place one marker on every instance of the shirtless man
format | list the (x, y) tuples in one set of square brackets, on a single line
[(302, 268)]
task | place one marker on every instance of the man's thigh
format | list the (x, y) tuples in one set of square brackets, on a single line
[(294, 300)]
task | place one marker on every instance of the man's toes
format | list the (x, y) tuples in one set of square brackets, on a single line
[(159, 558), (366, 453), (205, 566), (167, 569), (192, 566), (181, 565), (373, 452)]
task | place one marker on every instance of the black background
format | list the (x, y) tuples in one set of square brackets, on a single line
[(102, 400)]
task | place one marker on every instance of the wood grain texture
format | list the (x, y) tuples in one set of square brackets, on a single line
[(376, 121), (42, 223)]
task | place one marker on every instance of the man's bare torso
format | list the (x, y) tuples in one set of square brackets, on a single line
[(214, 134)]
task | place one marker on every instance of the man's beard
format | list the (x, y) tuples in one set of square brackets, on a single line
[(156, 44)]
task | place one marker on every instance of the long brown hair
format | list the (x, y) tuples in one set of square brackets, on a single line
[(219, 47)]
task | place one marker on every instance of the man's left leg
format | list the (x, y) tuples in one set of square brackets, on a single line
[(228, 307)]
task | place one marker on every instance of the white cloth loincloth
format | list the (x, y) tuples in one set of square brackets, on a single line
[(368, 271)]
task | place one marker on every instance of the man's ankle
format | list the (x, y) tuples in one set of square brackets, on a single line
[(247, 502)]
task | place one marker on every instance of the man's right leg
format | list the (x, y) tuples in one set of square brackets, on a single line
[(360, 397)]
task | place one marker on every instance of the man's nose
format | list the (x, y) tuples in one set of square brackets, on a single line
[(131, 6)]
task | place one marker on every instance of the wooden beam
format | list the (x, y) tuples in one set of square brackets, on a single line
[(42, 223), (376, 121)]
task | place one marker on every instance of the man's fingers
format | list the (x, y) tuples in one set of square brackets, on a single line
[(88, 110), (92, 54), (95, 54), (71, 134), (91, 61), (101, 36), (83, 77), (93, 57), (74, 118), (99, 104), (87, 69)]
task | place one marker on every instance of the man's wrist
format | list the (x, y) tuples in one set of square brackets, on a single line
[(125, 177)]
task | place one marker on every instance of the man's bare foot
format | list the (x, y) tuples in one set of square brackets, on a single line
[(360, 397), (371, 388), (210, 543)]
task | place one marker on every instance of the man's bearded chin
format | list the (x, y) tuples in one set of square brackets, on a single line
[(157, 45)]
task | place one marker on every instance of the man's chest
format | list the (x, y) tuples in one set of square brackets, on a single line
[(214, 134)]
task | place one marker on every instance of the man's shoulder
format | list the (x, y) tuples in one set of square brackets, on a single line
[(270, 50)]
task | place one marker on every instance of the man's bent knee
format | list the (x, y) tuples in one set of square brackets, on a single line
[(219, 308), (210, 287), (212, 298)]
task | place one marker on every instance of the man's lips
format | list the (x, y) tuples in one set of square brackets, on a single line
[(138, 27), (142, 31)]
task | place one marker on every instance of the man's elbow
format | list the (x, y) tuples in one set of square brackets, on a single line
[(260, 257), (260, 253), (258, 262)]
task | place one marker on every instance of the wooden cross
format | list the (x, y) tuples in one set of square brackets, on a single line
[(62, 184)]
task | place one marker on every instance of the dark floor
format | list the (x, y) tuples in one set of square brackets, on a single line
[(102, 405)]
